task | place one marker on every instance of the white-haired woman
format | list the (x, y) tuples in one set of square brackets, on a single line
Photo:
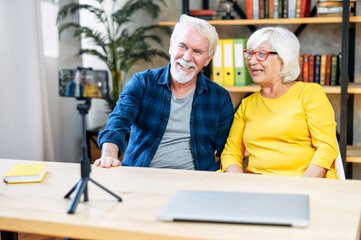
[(90, 89), (288, 127)]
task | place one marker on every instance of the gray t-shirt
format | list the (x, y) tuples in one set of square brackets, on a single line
[(174, 150)]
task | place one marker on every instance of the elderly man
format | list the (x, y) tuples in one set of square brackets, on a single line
[(176, 116)]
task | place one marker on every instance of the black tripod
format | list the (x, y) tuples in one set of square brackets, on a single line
[(81, 186)]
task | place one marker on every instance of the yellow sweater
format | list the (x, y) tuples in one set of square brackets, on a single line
[(91, 91), (284, 135)]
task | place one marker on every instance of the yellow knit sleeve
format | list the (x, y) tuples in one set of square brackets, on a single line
[(322, 126), (234, 149)]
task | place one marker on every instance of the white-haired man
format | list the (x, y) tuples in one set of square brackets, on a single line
[(176, 116)]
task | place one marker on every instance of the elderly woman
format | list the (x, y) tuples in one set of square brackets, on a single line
[(90, 89), (288, 127)]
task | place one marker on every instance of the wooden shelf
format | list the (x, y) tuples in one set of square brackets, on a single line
[(355, 19), (353, 88), (309, 20), (353, 154)]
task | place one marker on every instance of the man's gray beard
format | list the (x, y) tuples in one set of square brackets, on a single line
[(181, 78)]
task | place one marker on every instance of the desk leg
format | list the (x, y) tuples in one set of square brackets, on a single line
[(9, 235)]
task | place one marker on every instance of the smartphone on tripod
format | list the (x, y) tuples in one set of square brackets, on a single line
[(83, 83)]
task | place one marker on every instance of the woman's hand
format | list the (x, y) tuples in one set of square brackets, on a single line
[(234, 169), (315, 171)]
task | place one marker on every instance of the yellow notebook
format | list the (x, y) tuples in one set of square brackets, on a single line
[(25, 173)]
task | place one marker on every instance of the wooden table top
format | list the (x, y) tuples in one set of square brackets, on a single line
[(40, 208)]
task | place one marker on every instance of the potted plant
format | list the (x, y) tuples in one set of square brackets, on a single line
[(116, 45)]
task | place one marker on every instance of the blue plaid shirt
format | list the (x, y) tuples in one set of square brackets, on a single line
[(143, 109)]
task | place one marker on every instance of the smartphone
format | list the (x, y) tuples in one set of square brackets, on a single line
[(83, 83)]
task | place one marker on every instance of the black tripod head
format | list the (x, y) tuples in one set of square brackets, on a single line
[(83, 108)]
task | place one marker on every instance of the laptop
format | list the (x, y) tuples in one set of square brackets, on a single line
[(237, 207)]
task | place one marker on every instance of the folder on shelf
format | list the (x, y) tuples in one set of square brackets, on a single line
[(228, 66), (241, 74), (217, 65)]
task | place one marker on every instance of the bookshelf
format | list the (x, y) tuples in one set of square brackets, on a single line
[(309, 20), (347, 90)]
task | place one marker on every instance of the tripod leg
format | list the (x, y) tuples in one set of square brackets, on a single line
[(78, 192), (119, 198), (71, 191), (86, 192)]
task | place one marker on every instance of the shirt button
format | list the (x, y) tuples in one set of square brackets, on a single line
[(158, 138), (150, 157), (165, 119), (168, 98)]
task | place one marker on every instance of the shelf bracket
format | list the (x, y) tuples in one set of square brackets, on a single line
[(242, 15), (303, 26)]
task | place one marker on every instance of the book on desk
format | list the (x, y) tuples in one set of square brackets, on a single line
[(26, 173)]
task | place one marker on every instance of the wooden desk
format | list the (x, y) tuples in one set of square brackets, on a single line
[(40, 208)]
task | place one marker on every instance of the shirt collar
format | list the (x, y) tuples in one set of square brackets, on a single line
[(201, 84), (165, 77), (201, 81)]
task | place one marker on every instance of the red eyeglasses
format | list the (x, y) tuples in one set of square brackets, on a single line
[(261, 55)]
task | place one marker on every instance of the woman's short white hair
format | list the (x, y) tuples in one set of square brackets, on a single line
[(202, 26), (285, 43), (90, 77)]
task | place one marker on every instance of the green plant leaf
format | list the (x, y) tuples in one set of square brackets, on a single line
[(118, 46)]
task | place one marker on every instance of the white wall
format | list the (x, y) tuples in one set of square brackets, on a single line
[(69, 148), (99, 111), (22, 120)]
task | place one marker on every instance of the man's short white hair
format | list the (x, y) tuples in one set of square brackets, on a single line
[(202, 26), (285, 43)]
